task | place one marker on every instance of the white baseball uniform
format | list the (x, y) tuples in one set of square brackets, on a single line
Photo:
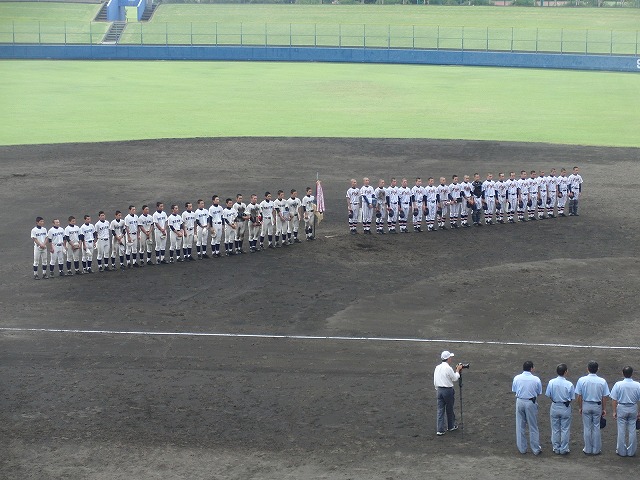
[(254, 224), (367, 195), (417, 193), (56, 242), (523, 196), (117, 240), (176, 235), (39, 249), (512, 197), (229, 215), (404, 204), (215, 220), (563, 192), (293, 204), (87, 236), (353, 197), (74, 248), (282, 219), (202, 231), (575, 183), (455, 197), (103, 231), (131, 237), (160, 224), (431, 206), (189, 222), (534, 187), (392, 211), (552, 194), (489, 200), (308, 208), (443, 203), (466, 188), (380, 194), (266, 207), (241, 224), (145, 222)]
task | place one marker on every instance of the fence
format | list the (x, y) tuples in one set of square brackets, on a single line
[(608, 42)]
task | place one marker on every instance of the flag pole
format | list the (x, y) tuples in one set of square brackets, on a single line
[(315, 217)]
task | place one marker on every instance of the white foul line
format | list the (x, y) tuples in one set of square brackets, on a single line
[(310, 337)]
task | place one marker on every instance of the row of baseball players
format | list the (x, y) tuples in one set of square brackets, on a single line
[(533, 196), (126, 238)]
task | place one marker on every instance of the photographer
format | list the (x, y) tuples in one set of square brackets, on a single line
[(443, 378)]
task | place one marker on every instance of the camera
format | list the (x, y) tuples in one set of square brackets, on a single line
[(465, 365)]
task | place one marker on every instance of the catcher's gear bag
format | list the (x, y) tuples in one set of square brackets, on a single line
[(415, 212)]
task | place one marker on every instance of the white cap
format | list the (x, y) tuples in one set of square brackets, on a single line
[(446, 354)]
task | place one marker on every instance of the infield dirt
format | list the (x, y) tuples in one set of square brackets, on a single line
[(106, 406)]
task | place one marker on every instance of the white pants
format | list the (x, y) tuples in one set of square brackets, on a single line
[(454, 210), (39, 256), (201, 236), (490, 203), (281, 226), (367, 213), (431, 211), (355, 215), (216, 237), (187, 241), (146, 243), (117, 248), (562, 200), (132, 246), (87, 252), (308, 220), (73, 255), (417, 219), (103, 248), (524, 198), (254, 231), (512, 203), (267, 227), (161, 240), (294, 224), (175, 241), (57, 256), (444, 208)]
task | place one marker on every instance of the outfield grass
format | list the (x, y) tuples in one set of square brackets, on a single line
[(47, 11), (61, 101)]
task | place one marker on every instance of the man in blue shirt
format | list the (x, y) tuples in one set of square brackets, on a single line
[(626, 395), (561, 392), (592, 392), (527, 387)]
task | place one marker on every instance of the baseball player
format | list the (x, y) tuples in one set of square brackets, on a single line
[(523, 195), (563, 191), (131, 237), (417, 197), (202, 230), (189, 222), (176, 233), (255, 222), (87, 238), (367, 195), (39, 239), (392, 205), (55, 235), (501, 197), (467, 200), (229, 216), (308, 213), (476, 207), (282, 218), (512, 196), (552, 192), (380, 195), (353, 206), (266, 207), (431, 203), (443, 202), (118, 231), (72, 242), (241, 223), (489, 198), (103, 234), (455, 200), (542, 190), (404, 205), (534, 195), (145, 232), (160, 232), (215, 224), (294, 204), (575, 184)]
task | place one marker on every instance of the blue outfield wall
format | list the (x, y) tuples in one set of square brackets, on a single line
[(618, 63)]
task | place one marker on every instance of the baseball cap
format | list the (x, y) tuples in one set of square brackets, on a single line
[(446, 354)]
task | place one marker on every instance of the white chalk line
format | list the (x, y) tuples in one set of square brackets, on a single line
[(310, 337)]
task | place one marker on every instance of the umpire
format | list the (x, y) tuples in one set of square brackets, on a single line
[(443, 378)]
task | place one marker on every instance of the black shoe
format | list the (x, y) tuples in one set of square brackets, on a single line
[(204, 256), (164, 262), (149, 262), (180, 260), (69, 273), (36, 277), (562, 215), (78, 272), (135, 265), (122, 267)]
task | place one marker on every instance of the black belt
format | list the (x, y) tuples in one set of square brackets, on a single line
[(533, 399), (445, 387), (58, 244), (627, 404), (216, 223), (589, 401), (566, 404)]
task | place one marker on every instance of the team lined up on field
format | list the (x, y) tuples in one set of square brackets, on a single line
[(533, 196), (126, 239)]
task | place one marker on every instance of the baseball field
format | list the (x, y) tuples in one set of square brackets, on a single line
[(313, 361)]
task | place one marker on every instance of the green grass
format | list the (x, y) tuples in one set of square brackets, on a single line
[(64, 101), (34, 11)]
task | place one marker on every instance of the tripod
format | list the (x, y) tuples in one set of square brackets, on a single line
[(461, 422)]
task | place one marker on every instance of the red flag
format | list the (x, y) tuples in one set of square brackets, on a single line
[(319, 196)]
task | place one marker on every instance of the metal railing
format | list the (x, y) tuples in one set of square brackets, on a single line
[(609, 42)]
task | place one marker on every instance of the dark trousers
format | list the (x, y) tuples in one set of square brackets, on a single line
[(446, 398)]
